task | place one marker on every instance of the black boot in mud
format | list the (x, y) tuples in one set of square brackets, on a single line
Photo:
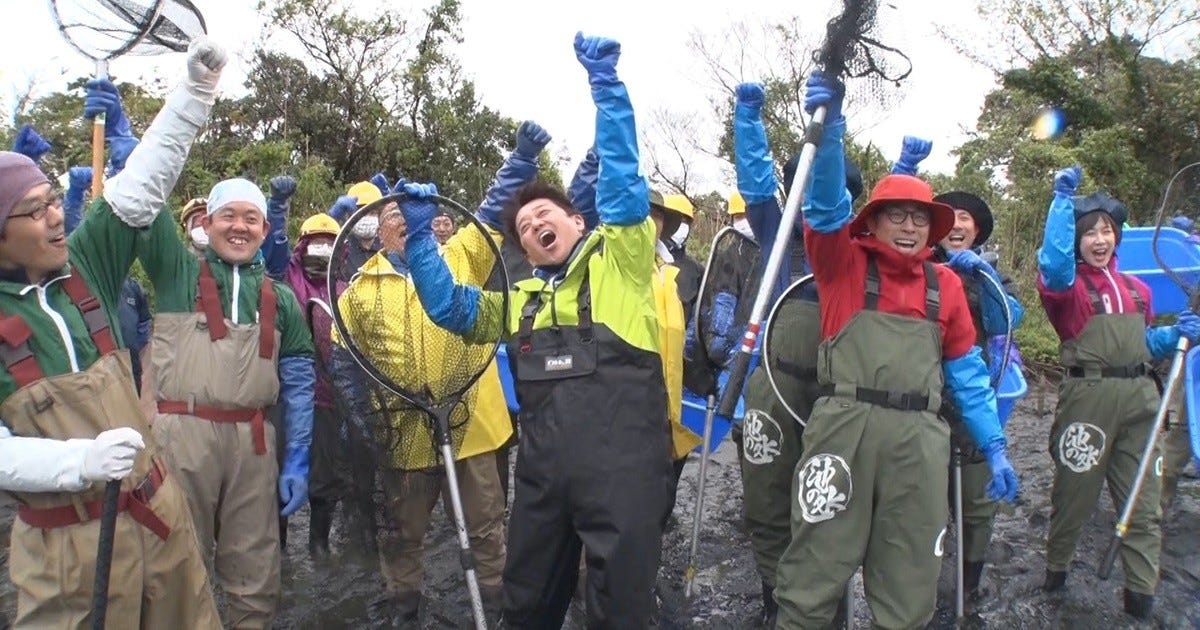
[(972, 579), (1055, 581), (770, 609), (1138, 605), (320, 522)]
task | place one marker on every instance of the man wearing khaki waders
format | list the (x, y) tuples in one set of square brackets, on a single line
[(870, 488), (70, 415)]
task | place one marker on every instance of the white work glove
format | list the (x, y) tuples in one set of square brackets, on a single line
[(110, 456), (205, 60)]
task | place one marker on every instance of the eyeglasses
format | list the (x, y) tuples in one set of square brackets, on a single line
[(920, 218), (44, 206)]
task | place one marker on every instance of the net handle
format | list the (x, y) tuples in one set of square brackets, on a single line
[(423, 400), (765, 351)]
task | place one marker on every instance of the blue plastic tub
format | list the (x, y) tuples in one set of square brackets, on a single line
[(1135, 256), (1191, 392), (1011, 389)]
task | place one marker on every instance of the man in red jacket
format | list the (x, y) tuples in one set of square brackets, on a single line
[(871, 484)]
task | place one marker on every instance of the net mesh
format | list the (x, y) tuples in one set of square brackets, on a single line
[(727, 291), (791, 335), (412, 369), (855, 48), (106, 29)]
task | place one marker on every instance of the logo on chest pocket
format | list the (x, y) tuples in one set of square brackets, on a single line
[(560, 363)]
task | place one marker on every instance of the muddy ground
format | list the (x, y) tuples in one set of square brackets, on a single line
[(338, 595)]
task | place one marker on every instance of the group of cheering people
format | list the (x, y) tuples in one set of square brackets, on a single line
[(896, 354)]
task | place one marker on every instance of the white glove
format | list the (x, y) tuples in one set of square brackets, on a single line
[(110, 456), (206, 58)]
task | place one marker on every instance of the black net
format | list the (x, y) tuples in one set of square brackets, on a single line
[(106, 29), (727, 291), (791, 335), (862, 43), (409, 370)]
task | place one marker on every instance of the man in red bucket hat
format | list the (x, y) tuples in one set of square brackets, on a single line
[(870, 487)]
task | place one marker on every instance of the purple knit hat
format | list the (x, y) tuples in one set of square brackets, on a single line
[(18, 175)]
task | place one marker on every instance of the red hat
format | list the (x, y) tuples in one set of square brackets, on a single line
[(895, 188)]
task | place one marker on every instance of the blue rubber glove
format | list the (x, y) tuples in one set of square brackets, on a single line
[(1188, 325), (531, 139), (398, 187), (751, 152), (583, 189), (79, 180), (970, 385), (598, 55), (102, 97), (282, 188), (821, 90), (30, 144), (912, 151), (1067, 180), (297, 380), (1182, 223), (275, 251), (1161, 340), (966, 261), (1004, 485), (381, 182), (419, 209), (722, 335), (120, 148), (622, 192), (343, 208)]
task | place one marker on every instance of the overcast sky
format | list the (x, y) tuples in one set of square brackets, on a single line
[(519, 54)]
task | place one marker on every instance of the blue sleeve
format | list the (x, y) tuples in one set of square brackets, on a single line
[(452, 306), (827, 202), (297, 379), (969, 383), (992, 300), (72, 209), (144, 317), (275, 249), (1161, 340), (752, 156), (1056, 258), (583, 189), (764, 218), (516, 171), (622, 194)]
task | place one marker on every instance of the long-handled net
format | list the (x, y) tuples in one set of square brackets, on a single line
[(421, 411), (103, 30), (791, 336)]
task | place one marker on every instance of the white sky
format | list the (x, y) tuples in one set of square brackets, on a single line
[(519, 53)]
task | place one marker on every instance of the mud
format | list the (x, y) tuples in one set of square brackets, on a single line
[(339, 593)]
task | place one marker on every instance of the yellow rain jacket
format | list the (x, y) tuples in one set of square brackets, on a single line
[(480, 422), (671, 324)]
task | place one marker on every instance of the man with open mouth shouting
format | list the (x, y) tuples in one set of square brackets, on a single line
[(594, 462)]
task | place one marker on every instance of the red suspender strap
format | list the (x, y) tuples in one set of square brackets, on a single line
[(209, 302), (266, 319)]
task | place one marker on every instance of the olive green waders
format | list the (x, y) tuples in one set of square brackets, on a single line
[(871, 487), (1106, 408)]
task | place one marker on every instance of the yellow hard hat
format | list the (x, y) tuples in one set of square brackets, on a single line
[(199, 204), (319, 224), (365, 192), (680, 205), (737, 205)]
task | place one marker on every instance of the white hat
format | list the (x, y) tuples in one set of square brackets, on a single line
[(233, 190)]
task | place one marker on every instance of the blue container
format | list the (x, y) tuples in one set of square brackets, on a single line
[(1012, 388), (1135, 256), (1191, 392)]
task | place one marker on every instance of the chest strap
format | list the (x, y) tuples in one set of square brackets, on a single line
[(136, 502), (904, 401), (534, 304), (15, 332), (256, 418), (1126, 371), (933, 299), (208, 301)]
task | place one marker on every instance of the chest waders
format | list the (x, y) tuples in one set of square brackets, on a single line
[(157, 576), (214, 380), (593, 471), (870, 489), (1106, 408)]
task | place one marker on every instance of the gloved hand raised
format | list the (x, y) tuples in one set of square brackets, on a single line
[(102, 97), (1188, 325), (751, 96), (822, 90), (110, 456), (966, 260), (1003, 485), (599, 56), (30, 144), (419, 207), (120, 147), (531, 139), (381, 182), (206, 59), (1067, 180), (282, 187), (912, 151), (343, 208), (79, 178)]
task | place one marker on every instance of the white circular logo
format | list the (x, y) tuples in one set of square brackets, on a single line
[(825, 487), (939, 545), (1158, 466), (761, 437), (1080, 446)]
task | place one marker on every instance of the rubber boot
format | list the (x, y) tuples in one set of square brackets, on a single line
[(320, 521), (1055, 581), (1138, 605), (770, 609), (283, 533), (972, 577)]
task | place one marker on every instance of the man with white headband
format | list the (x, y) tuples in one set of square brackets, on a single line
[(228, 343), (69, 416)]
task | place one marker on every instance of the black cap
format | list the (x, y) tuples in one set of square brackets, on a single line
[(976, 207)]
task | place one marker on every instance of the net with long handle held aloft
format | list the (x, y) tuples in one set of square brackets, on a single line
[(422, 409)]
